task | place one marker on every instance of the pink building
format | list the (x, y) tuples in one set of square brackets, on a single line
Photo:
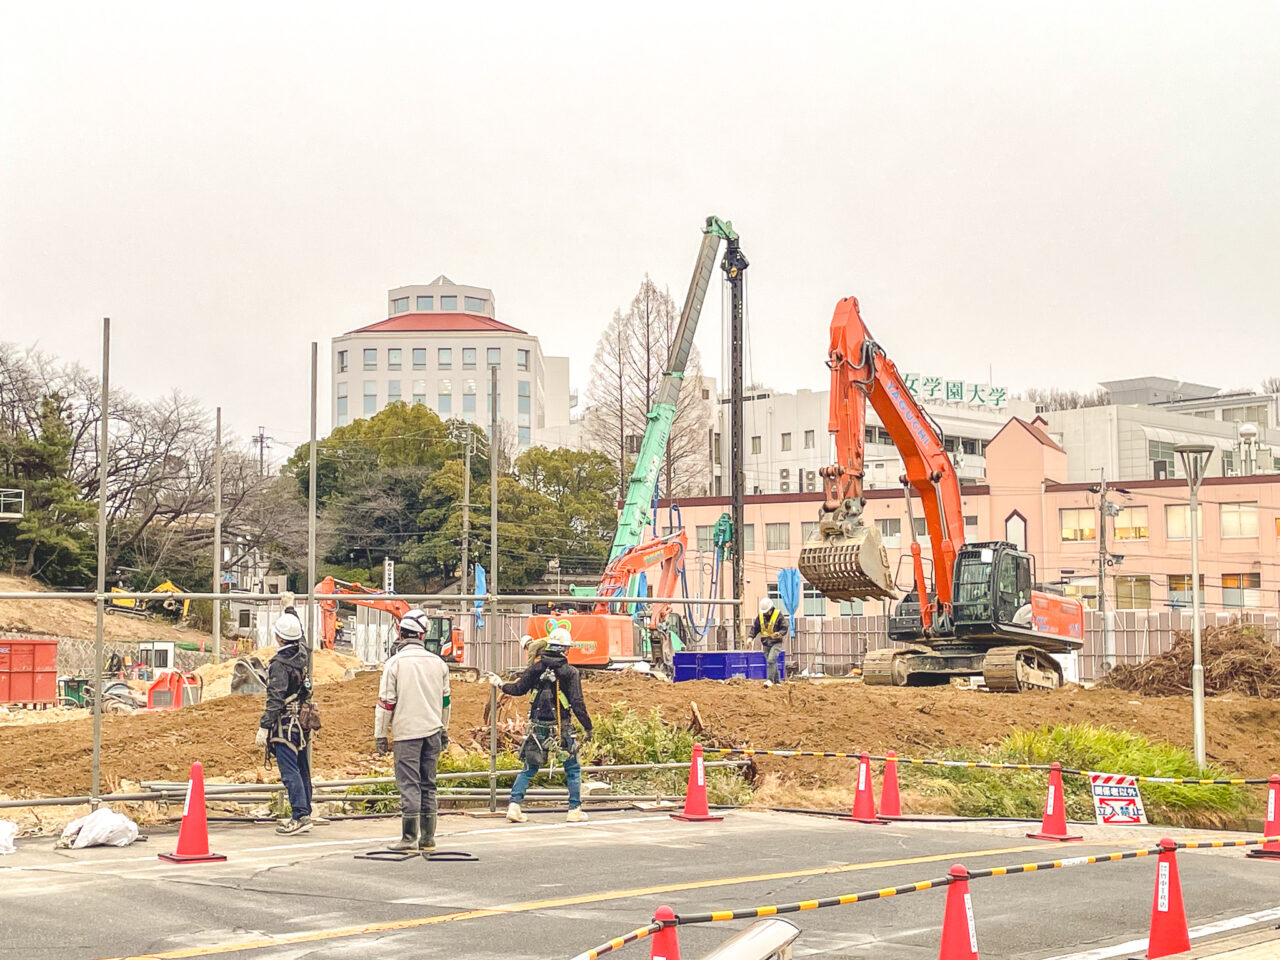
[(1025, 501)]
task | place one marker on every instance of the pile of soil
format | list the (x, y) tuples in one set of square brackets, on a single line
[(327, 666), (1236, 659), (76, 618), (54, 760)]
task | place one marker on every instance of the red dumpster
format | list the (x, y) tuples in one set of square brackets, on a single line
[(29, 671)]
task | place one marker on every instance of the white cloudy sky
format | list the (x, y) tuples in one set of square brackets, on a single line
[(1064, 192)]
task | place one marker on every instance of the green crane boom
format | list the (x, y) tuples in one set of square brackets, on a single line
[(637, 508)]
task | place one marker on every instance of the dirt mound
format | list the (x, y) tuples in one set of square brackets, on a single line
[(76, 618), (54, 760), (327, 666), (1237, 659)]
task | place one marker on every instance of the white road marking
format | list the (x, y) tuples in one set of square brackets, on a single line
[(1205, 930)]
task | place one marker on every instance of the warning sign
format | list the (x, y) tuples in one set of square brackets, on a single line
[(1116, 800)]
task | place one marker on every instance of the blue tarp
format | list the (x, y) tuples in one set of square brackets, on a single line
[(642, 590), (789, 590), (480, 588)]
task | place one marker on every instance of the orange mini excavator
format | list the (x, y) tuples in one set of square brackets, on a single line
[(981, 614)]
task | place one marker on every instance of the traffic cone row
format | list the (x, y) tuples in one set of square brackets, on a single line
[(193, 834)]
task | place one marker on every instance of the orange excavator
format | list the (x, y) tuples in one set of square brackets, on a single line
[(981, 614), (441, 633), (603, 638)]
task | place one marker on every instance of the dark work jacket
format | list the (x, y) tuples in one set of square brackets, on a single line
[(541, 678), (760, 625), (286, 684)]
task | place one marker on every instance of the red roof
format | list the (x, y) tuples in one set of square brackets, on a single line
[(438, 323)]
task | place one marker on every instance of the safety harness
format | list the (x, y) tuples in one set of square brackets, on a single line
[(773, 622)]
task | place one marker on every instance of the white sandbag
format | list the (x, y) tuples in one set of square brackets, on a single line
[(104, 827), (8, 831)]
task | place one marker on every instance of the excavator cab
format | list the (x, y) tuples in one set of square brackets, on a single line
[(993, 584)]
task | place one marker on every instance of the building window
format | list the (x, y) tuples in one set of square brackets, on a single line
[(342, 404), (523, 436), (971, 527), (815, 604), (1133, 593), (444, 358), (1084, 589), (809, 439), (1241, 589), (426, 303), (748, 537), (419, 358), (890, 531), (716, 449), (1254, 413), (1077, 524), (371, 358), (494, 356), (370, 397), (1180, 590), (786, 442), (522, 360), (706, 537), (400, 305), (777, 536), (393, 358), (920, 527), (1015, 530), (469, 407), (524, 402), (444, 397), (1131, 524), (755, 445), (1162, 457), (473, 304), (719, 486), (468, 358), (393, 391), (342, 361), (1177, 521), (1228, 463), (448, 303), (1238, 519), (420, 393), (808, 530), (246, 619), (850, 608)]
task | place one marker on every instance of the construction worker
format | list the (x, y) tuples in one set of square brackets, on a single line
[(771, 627), (280, 730), (413, 713), (531, 647), (555, 691)]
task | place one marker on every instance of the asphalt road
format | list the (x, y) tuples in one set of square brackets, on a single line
[(550, 890)]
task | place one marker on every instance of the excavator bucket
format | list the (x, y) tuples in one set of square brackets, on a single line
[(849, 565)]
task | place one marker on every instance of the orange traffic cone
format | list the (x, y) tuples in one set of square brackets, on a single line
[(864, 798), (695, 798), (890, 804), (193, 834), (959, 935), (666, 945), (1271, 849), (1054, 824), (1169, 934)]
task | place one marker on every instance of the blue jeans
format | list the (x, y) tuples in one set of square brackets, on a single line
[(295, 771), (572, 775)]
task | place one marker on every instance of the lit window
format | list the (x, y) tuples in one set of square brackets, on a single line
[(400, 305), (370, 398), (472, 304), (468, 358), (1177, 522), (419, 358), (393, 391), (444, 358), (342, 361), (448, 303), (425, 303), (890, 531), (494, 357), (1131, 524), (1180, 590), (777, 536), (809, 439), (522, 359), (393, 358), (469, 386), (1241, 589), (1084, 589), (1078, 524), (420, 392), (1133, 593), (1238, 519), (786, 442), (371, 358), (706, 537), (755, 445)]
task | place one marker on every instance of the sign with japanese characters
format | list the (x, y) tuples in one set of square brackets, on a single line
[(1116, 800), (930, 389)]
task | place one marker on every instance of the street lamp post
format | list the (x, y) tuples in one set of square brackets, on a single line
[(1194, 457)]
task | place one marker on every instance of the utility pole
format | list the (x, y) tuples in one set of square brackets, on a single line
[(492, 587), (734, 266), (104, 439), (262, 441), (217, 538), (1108, 644), (462, 433), (311, 510)]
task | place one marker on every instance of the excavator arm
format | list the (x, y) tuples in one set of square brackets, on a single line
[(668, 551), (352, 593), (847, 559)]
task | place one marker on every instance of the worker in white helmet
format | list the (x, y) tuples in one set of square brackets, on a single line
[(555, 697), (281, 730), (771, 627)]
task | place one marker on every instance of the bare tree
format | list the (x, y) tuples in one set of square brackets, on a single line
[(1270, 385), (1055, 399)]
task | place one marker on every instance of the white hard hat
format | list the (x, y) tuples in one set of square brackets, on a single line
[(766, 604), (525, 641), (414, 623), (288, 628), (559, 639)]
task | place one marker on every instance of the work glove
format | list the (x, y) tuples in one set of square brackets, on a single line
[(261, 738), (495, 681), (444, 740), (587, 733), (380, 744)]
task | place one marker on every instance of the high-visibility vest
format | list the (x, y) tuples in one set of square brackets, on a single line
[(773, 621)]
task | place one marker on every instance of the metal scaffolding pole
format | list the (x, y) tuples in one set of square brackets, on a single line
[(217, 538), (311, 510), (99, 625), (493, 586)]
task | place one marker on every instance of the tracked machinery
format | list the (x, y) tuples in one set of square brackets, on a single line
[(982, 614)]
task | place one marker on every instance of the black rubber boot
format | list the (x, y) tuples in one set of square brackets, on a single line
[(427, 839), (409, 826)]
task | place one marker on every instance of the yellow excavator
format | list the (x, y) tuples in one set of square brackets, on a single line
[(138, 608)]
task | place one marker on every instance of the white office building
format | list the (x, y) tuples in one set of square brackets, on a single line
[(435, 348)]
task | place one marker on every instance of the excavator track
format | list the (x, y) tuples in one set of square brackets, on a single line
[(1014, 669), (884, 668)]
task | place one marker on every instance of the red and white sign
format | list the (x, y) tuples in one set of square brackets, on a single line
[(1116, 800)]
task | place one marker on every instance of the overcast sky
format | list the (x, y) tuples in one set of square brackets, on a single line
[(1064, 193)]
